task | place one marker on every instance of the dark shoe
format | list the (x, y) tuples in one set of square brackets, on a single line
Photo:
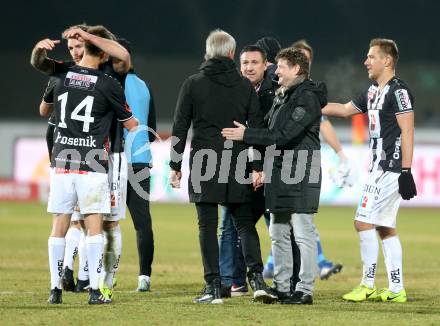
[(55, 296), (262, 293), (293, 282), (211, 294), (225, 291), (281, 295), (67, 280), (298, 298), (81, 286), (96, 297)]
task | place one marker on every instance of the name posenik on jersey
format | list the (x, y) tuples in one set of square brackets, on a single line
[(86, 82), (89, 141)]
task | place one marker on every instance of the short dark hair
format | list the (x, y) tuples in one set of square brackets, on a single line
[(254, 48), (302, 44), (271, 46), (388, 47), (295, 56), (100, 31)]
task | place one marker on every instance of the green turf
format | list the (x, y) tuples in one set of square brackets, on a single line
[(177, 276)]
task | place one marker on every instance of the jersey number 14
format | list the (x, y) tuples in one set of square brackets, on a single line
[(87, 118)]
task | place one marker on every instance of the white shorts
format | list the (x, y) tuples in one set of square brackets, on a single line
[(380, 199), (117, 179), (89, 190)]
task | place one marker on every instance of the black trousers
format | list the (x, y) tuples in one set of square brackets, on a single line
[(139, 208), (208, 223), (296, 262)]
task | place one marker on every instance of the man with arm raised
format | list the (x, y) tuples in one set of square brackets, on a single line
[(389, 105)]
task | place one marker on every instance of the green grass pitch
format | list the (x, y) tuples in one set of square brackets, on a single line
[(177, 275)]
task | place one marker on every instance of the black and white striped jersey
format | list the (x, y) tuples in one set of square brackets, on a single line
[(382, 106), (86, 101)]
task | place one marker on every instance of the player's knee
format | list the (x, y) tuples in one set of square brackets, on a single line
[(362, 226)]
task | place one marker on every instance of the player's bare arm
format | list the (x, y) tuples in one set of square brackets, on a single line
[(45, 109), (340, 110), (112, 48), (39, 59), (406, 124)]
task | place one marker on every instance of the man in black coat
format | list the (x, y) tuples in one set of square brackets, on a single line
[(253, 62), (211, 99), (293, 181), (232, 266)]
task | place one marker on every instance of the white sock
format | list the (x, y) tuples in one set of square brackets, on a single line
[(56, 258), (83, 269), (94, 258), (143, 277), (72, 241), (369, 252), (392, 252), (112, 254)]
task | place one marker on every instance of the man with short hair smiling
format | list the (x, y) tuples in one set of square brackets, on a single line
[(293, 127), (232, 267)]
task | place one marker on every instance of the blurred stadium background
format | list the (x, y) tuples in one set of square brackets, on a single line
[(168, 40)]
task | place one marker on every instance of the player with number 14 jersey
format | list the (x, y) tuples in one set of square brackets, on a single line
[(85, 101)]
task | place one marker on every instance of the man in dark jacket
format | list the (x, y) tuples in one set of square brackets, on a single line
[(253, 63), (211, 99), (293, 183), (232, 267)]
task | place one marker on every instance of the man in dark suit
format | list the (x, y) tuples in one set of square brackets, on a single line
[(211, 100)]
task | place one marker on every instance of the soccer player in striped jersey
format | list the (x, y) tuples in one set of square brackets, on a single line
[(79, 79), (389, 105)]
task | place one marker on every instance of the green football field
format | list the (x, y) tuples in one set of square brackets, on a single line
[(177, 276)]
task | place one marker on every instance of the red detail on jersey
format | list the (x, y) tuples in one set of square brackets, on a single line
[(67, 171), (107, 144), (364, 202), (127, 107), (59, 61)]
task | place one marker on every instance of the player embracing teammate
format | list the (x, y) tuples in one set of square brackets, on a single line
[(389, 105), (85, 103)]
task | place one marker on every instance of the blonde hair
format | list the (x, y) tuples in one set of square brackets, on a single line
[(219, 44)]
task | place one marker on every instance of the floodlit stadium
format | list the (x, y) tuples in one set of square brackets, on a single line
[(126, 94)]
